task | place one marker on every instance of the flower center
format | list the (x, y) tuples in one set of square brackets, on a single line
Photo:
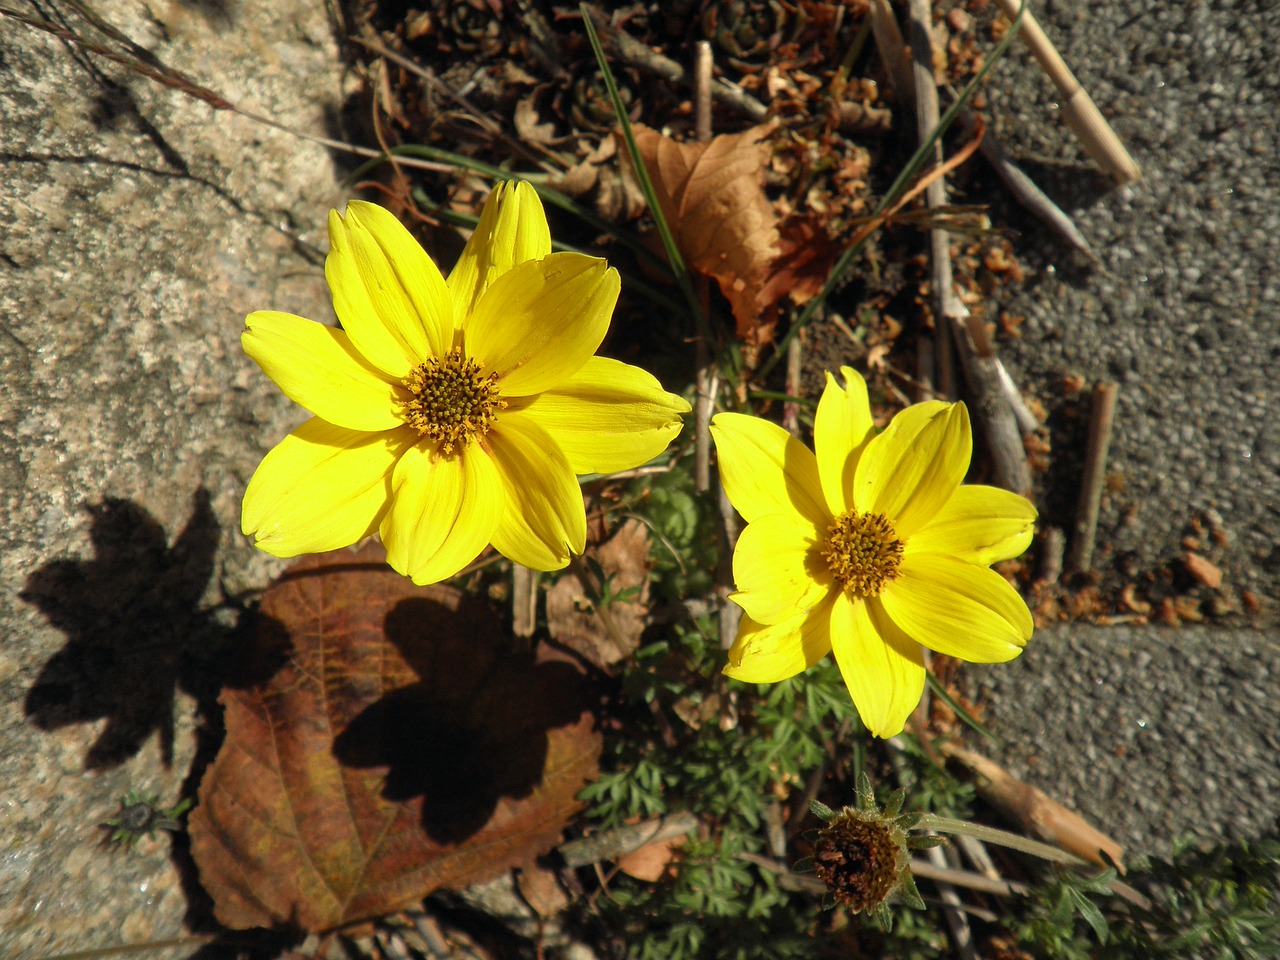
[(450, 400), (860, 857), (862, 552)]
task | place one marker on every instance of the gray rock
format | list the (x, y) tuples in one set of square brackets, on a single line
[(140, 226)]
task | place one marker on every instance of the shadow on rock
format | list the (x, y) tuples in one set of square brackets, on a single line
[(471, 731), (134, 629)]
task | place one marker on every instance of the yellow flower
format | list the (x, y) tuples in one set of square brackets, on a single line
[(869, 549), (450, 414)]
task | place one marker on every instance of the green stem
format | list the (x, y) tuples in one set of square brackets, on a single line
[(1001, 837)]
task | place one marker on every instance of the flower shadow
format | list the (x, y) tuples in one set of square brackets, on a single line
[(135, 632), (472, 730)]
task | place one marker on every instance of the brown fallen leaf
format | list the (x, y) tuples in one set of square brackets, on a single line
[(572, 618), (399, 747), (806, 255), (712, 195), (1202, 570)]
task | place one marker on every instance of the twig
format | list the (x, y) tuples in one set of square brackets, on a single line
[(706, 378), (1078, 109), (891, 47), (961, 932), (1026, 420), (1085, 531), (634, 53), (1030, 196), (702, 90), (524, 601), (991, 407), (926, 97), (948, 307), (980, 366), (1054, 546), (790, 409), (614, 843), (1074, 840)]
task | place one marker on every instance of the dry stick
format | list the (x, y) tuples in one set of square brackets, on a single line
[(1031, 197), (614, 843), (791, 409), (981, 368), (924, 90), (524, 601), (1095, 464), (1078, 109), (702, 350), (708, 381), (961, 932), (634, 53), (1051, 552)]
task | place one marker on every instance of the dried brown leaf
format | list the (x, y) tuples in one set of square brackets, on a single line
[(712, 196), (399, 747), (527, 126), (649, 863), (572, 618)]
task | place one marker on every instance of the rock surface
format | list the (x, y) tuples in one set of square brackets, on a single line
[(140, 227)]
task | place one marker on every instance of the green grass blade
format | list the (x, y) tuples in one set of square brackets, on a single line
[(678, 266)]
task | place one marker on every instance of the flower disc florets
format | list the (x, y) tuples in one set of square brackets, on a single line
[(861, 856), (451, 401), (863, 552)]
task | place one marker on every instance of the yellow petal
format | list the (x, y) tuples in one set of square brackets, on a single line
[(388, 294), (541, 321), (882, 667), (909, 472), (767, 654), (958, 608), (980, 524), (443, 512), (322, 487), (777, 569), (609, 416), (841, 429), (765, 470), (316, 366), (512, 229), (544, 519)]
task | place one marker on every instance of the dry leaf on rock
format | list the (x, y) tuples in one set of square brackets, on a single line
[(712, 196), (399, 747), (571, 616)]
